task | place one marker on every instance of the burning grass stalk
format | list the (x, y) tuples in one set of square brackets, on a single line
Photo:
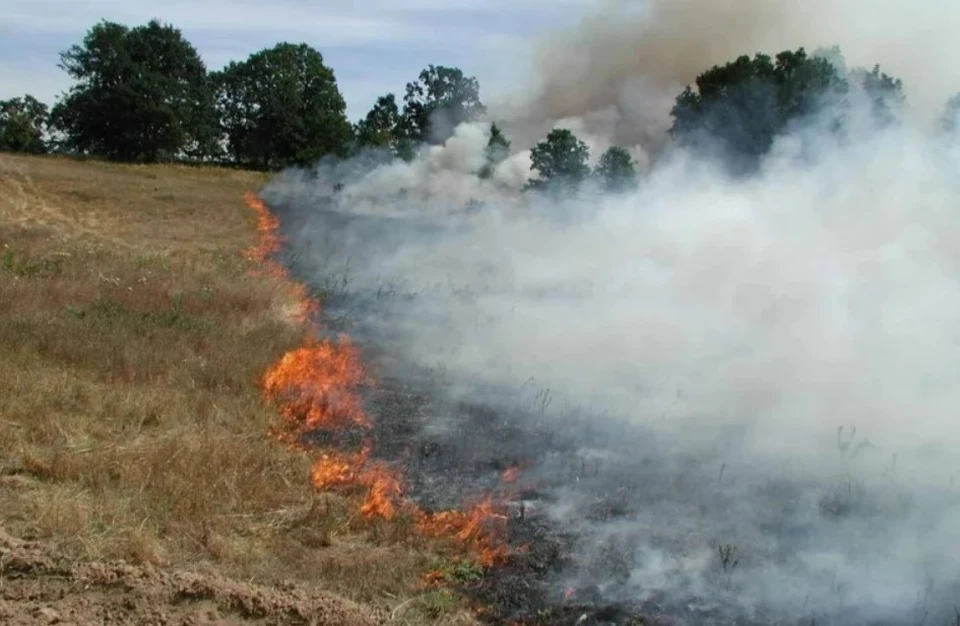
[(318, 385)]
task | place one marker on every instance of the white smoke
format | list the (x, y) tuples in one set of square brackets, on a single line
[(736, 321), (782, 307), (779, 296)]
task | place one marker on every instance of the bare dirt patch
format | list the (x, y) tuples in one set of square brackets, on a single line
[(38, 588)]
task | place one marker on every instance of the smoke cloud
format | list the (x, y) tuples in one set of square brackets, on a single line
[(614, 75), (711, 343)]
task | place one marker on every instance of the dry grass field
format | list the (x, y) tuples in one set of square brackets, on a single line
[(132, 429)]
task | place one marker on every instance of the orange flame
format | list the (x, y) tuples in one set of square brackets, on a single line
[(269, 244), (270, 241), (316, 386), (480, 528), (335, 471)]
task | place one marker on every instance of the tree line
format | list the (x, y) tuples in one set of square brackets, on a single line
[(144, 94)]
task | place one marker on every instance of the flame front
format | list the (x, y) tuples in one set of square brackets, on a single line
[(269, 240), (383, 491), (317, 387), (480, 528), (269, 243), (334, 471)]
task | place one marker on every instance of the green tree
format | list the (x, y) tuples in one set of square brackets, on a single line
[(616, 172), (282, 107), (561, 161), (498, 149), (383, 127), (141, 95), (834, 56), (23, 122), (950, 119), (885, 94), (739, 108), (439, 100)]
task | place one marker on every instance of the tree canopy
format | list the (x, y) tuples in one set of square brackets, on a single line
[(141, 95), (23, 122), (616, 172), (382, 124), (281, 107), (885, 94), (740, 107), (384, 127), (433, 106), (950, 118), (498, 149), (562, 162), (439, 100)]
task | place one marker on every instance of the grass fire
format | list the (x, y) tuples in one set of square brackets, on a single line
[(318, 387), (660, 330)]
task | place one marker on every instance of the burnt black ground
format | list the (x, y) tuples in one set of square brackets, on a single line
[(453, 452), (578, 507)]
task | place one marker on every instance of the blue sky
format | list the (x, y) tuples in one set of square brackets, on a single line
[(374, 46)]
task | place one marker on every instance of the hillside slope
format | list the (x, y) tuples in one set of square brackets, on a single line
[(132, 432)]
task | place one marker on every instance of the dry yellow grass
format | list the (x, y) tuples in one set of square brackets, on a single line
[(131, 427)]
